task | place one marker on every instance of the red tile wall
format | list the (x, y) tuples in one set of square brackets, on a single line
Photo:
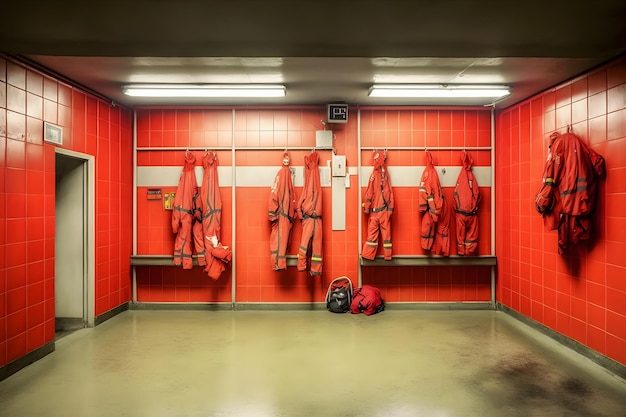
[(431, 129), (581, 294), (252, 129), (27, 191)]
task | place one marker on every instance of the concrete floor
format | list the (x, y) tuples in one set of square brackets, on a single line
[(311, 363)]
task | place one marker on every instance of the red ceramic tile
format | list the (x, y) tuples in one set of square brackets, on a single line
[(35, 250), (35, 337), (597, 82), (616, 74), (484, 138), (64, 95), (266, 120), (17, 208), (596, 338), (596, 315), (614, 252), (616, 348), (16, 75), (615, 323), (252, 120), (15, 304), (597, 130), (445, 138), (169, 119), (614, 279), (36, 283), (15, 276), (563, 116), (615, 300), (156, 120), (50, 89), (616, 125), (579, 308), (563, 96), (50, 113), (64, 118), (579, 111), (15, 99), (15, 181), (3, 77), (418, 120), (35, 314), (597, 104), (16, 230), (34, 131), (280, 120), (16, 346), (616, 98), (432, 120), (104, 111), (16, 126)]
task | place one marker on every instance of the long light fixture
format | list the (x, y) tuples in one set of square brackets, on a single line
[(439, 91), (204, 90)]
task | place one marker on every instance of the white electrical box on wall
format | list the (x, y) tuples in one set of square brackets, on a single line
[(339, 166), (324, 139)]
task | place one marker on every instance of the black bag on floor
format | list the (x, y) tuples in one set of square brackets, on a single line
[(339, 295)]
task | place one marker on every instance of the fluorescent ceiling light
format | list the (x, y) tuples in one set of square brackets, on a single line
[(204, 90), (439, 91)]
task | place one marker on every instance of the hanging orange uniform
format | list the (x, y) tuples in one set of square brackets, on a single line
[(309, 209), (182, 214), (568, 194), (441, 245), (435, 230), (198, 236), (466, 200), (210, 200), (282, 212), (379, 202)]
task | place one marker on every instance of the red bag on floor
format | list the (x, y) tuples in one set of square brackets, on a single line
[(367, 300)]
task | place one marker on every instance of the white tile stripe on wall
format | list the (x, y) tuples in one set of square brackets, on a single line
[(263, 176), (409, 176)]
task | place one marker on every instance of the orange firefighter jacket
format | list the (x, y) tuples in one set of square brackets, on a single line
[(466, 200), (309, 209), (282, 212), (182, 214), (568, 193), (430, 200), (210, 201), (380, 203)]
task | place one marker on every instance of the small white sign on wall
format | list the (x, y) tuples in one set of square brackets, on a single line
[(52, 133)]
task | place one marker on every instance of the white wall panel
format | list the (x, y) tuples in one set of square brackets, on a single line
[(263, 176), (409, 176)]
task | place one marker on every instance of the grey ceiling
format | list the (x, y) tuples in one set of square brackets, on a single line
[(322, 51)]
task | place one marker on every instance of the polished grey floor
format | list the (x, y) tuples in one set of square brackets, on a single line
[(311, 363)]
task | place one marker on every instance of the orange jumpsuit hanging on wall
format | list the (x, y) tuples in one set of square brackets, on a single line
[(568, 193), (217, 255), (435, 230), (309, 209), (379, 201), (282, 211), (182, 214), (466, 199)]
